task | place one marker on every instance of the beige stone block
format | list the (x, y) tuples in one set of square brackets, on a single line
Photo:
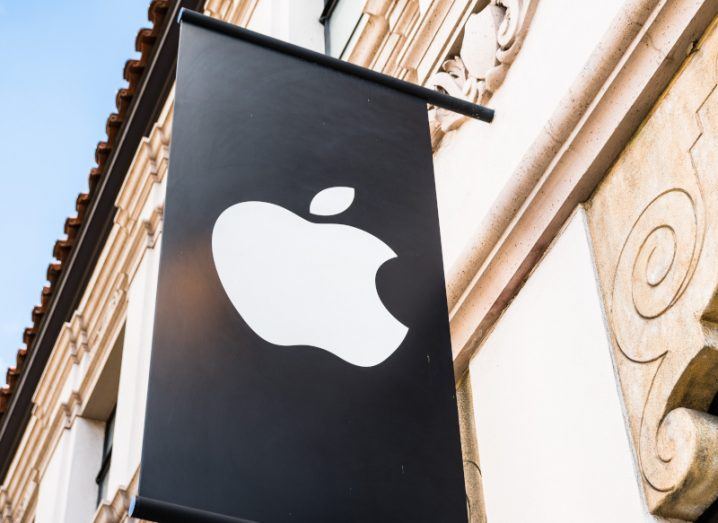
[(654, 227)]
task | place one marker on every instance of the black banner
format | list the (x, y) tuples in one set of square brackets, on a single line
[(301, 365)]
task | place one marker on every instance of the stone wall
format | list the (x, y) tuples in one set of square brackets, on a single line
[(654, 223)]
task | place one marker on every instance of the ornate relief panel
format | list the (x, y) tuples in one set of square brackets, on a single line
[(490, 42), (654, 224)]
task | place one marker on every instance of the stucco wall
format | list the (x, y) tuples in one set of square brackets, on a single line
[(552, 440), (475, 161)]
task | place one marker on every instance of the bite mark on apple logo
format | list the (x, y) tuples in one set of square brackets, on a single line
[(296, 282)]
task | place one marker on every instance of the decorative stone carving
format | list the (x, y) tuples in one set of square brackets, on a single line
[(654, 224), (114, 510), (491, 40), (71, 409), (78, 337), (153, 226), (5, 506)]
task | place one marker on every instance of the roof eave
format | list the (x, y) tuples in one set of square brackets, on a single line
[(146, 104)]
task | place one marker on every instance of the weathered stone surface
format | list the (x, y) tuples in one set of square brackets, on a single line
[(654, 226)]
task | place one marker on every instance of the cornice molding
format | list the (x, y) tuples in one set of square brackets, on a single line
[(238, 12), (401, 41), (82, 259), (85, 341), (71, 375), (115, 510)]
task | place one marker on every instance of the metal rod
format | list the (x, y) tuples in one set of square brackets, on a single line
[(153, 510), (430, 96)]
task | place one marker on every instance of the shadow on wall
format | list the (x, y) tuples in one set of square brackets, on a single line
[(711, 515)]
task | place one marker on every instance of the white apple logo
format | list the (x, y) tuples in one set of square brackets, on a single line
[(296, 282)]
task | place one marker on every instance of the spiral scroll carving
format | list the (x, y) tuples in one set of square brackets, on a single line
[(686, 462), (654, 268), (656, 264), (654, 227)]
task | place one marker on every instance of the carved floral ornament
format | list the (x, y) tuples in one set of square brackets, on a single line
[(491, 40)]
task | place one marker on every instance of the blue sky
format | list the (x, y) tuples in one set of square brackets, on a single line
[(60, 67)]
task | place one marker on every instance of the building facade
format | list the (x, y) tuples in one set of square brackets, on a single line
[(580, 242)]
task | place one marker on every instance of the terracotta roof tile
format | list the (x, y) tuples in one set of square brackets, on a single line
[(72, 227), (5, 394), (28, 336), (11, 377), (45, 296), (132, 73), (20, 358)]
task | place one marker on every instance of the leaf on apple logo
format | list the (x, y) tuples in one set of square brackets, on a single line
[(331, 201)]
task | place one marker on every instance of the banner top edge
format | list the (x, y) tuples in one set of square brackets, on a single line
[(429, 96)]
